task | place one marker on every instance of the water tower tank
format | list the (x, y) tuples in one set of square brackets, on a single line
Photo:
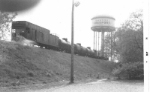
[(103, 23)]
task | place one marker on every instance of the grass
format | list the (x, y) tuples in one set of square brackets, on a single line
[(23, 65)]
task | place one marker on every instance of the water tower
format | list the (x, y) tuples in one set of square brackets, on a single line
[(100, 25)]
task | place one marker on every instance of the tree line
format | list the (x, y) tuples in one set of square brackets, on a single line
[(127, 47)]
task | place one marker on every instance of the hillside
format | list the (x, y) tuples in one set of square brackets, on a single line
[(20, 65)]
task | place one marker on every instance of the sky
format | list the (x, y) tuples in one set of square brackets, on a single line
[(55, 15)]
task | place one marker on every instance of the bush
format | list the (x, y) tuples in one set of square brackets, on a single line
[(133, 71)]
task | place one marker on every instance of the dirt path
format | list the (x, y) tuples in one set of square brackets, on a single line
[(98, 86)]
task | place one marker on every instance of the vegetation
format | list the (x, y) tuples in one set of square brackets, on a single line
[(128, 47), (127, 44), (23, 65), (132, 71), (5, 20)]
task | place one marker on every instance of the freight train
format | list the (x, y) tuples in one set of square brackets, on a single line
[(42, 37)]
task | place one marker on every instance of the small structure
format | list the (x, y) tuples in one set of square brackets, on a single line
[(101, 24)]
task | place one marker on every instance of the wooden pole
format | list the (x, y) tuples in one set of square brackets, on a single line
[(72, 46)]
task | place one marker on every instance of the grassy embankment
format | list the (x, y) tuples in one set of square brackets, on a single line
[(22, 65)]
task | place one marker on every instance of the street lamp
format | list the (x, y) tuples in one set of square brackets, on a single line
[(72, 42)]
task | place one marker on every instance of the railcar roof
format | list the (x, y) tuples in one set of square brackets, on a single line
[(29, 23)]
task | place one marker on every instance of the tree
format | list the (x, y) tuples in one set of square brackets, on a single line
[(128, 44), (5, 20), (107, 41), (130, 39), (127, 40)]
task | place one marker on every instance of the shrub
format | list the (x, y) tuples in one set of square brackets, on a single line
[(131, 71)]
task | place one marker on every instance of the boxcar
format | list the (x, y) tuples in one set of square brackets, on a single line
[(35, 33)]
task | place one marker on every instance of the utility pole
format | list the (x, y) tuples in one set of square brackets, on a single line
[(72, 43)]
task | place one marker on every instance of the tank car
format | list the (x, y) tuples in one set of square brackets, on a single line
[(64, 45), (89, 52), (77, 49)]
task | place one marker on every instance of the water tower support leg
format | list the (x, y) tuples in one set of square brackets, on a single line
[(94, 41), (102, 43), (98, 43), (111, 46)]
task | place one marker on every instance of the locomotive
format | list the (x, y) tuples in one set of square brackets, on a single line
[(42, 37)]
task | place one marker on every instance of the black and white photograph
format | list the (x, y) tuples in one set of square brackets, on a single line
[(74, 45)]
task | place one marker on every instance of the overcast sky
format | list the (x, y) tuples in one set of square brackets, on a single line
[(55, 15)]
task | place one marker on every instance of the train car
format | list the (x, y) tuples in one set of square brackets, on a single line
[(35, 33), (89, 52), (77, 48), (93, 53), (84, 51), (81, 50), (64, 45), (18, 29), (20, 33), (28, 30), (53, 42)]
